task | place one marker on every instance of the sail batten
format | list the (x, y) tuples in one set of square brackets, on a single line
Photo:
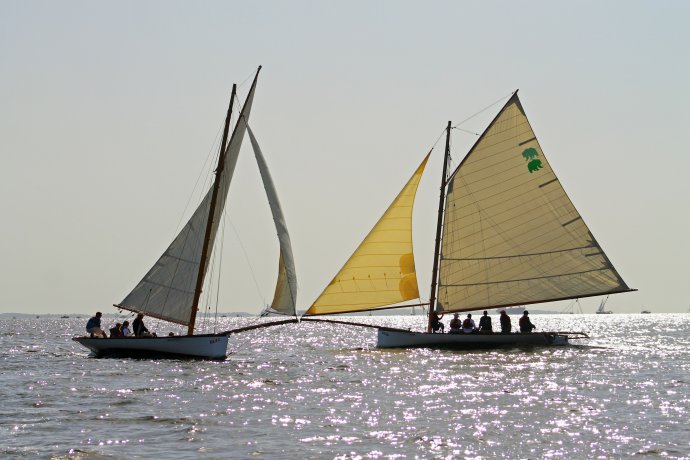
[(381, 271), (511, 235)]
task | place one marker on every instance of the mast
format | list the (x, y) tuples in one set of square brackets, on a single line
[(439, 224), (214, 199)]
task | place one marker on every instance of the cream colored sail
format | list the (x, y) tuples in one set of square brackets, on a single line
[(167, 290), (285, 296), (381, 272), (511, 236)]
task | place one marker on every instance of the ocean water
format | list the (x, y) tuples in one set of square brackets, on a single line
[(318, 390)]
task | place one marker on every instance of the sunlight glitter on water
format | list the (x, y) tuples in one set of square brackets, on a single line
[(324, 391)]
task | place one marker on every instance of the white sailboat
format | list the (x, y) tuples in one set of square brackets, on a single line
[(602, 305), (507, 235), (171, 290)]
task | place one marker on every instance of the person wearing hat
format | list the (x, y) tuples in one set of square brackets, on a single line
[(455, 325), (526, 325)]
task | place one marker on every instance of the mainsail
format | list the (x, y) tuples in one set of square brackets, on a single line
[(381, 272), (167, 290), (285, 296), (511, 235)]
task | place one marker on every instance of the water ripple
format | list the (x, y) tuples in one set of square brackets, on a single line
[(323, 391)]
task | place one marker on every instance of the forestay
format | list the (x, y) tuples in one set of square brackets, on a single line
[(285, 296), (511, 235), (381, 271), (167, 290)]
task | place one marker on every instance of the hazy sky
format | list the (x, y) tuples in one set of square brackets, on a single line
[(109, 111)]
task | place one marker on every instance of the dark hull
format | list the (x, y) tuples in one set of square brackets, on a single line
[(392, 338)]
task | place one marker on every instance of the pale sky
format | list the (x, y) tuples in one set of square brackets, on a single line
[(109, 111)]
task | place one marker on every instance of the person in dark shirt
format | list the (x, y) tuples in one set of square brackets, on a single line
[(526, 325), (138, 327), (436, 324), (93, 326), (485, 323), (505, 323), (116, 331)]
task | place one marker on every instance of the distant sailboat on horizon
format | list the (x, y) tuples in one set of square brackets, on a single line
[(601, 310)]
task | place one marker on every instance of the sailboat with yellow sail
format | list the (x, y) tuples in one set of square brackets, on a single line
[(506, 235)]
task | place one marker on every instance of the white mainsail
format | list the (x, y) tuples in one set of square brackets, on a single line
[(285, 297), (511, 235), (167, 290)]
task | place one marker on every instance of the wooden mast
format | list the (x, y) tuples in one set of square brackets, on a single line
[(439, 224), (214, 200), (209, 223)]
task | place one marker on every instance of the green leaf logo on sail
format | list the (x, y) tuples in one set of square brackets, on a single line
[(531, 155)]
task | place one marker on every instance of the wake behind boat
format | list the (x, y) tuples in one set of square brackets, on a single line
[(506, 235), (172, 288)]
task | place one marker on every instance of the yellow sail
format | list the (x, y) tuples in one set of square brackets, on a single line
[(381, 271)]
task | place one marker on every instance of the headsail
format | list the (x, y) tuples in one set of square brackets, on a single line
[(381, 272), (511, 236), (285, 296), (167, 290)]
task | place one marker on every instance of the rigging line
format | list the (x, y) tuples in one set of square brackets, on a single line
[(204, 169), (246, 258), (220, 266), (214, 277), (443, 132), (247, 337), (251, 74), (467, 131), (205, 299), (482, 110)]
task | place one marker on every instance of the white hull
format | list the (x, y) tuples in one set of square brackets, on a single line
[(405, 339), (184, 346)]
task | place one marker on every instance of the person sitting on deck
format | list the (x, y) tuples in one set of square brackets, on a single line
[(455, 325), (526, 325), (436, 323), (139, 329), (468, 325), (125, 329), (505, 323), (93, 326), (116, 331), (485, 323)]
